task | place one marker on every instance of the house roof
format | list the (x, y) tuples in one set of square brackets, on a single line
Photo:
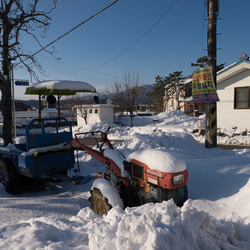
[(234, 69), (96, 105)]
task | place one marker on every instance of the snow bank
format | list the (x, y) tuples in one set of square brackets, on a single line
[(151, 226)]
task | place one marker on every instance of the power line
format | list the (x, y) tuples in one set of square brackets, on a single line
[(64, 67), (52, 14), (60, 37), (140, 37), (62, 7), (75, 73)]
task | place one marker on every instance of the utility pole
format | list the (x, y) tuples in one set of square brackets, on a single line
[(211, 109)]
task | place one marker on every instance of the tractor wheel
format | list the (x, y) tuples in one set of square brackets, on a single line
[(99, 204), (179, 195), (8, 177), (182, 195)]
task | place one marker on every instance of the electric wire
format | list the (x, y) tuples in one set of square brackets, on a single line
[(63, 70), (25, 34), (62, 7), (76, 67), (139, 38), (77, 72), (77, 26)]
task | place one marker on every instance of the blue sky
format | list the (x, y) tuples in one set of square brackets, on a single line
[(178, 39)]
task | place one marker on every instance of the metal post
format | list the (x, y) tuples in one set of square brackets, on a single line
[(13, 101), (211, 110)]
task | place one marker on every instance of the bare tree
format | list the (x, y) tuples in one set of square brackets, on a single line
[(18, 17), (84, 110), (126, 93), (80, 105)]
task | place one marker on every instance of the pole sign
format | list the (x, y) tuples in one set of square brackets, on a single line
[(22, 83), (203, 88)]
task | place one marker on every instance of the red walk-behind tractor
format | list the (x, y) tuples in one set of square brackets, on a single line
[(131, 182)]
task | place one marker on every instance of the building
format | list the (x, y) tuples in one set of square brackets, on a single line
[(94, 113), (174, 95), (233, 89), (185, 99)]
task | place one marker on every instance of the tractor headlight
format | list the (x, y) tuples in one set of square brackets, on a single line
[(178, 179)]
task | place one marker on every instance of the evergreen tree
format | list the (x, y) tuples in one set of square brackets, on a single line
[(165, 88), (158, 93), (174, 88), (202, 62)]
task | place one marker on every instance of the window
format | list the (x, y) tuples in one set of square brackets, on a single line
[(242, 98), (96, 111)]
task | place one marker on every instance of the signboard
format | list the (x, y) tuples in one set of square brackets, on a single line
[(22, 83), (203, 88)]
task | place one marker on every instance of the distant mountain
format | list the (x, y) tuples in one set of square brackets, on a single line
[(31, 103), (143, 99)]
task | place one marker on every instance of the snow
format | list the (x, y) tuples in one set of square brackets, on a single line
[(10, 147), (35, 151), (216, 215), (64, 84), (159, 160), (108, 191), (117, 158)]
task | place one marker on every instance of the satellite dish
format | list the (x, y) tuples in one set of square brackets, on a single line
[(96, 99), (51, 99), (109, 101)]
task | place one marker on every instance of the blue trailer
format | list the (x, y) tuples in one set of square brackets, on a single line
[(43, 155)]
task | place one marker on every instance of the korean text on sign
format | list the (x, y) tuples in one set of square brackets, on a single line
[(203, 88)]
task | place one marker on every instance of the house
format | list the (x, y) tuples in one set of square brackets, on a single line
[(93, 113), (193, 108), (233, 89), (185, 99)]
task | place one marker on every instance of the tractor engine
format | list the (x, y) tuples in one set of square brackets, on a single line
[(153, 185)]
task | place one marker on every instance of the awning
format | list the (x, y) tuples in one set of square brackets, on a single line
[(59, 87)]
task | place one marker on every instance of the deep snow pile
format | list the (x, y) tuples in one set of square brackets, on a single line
[(216, 216), (161, 226)]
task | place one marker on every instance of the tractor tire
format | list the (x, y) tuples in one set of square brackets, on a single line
[(182, 195), (8, 177), (99, 203), (179, 195)]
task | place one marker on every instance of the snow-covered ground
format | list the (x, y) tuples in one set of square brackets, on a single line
[(216, 215)]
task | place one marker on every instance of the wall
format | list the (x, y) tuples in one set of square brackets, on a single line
[(104, 114), (227, 116)]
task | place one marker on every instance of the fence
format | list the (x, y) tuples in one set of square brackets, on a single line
[(26, 116)]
